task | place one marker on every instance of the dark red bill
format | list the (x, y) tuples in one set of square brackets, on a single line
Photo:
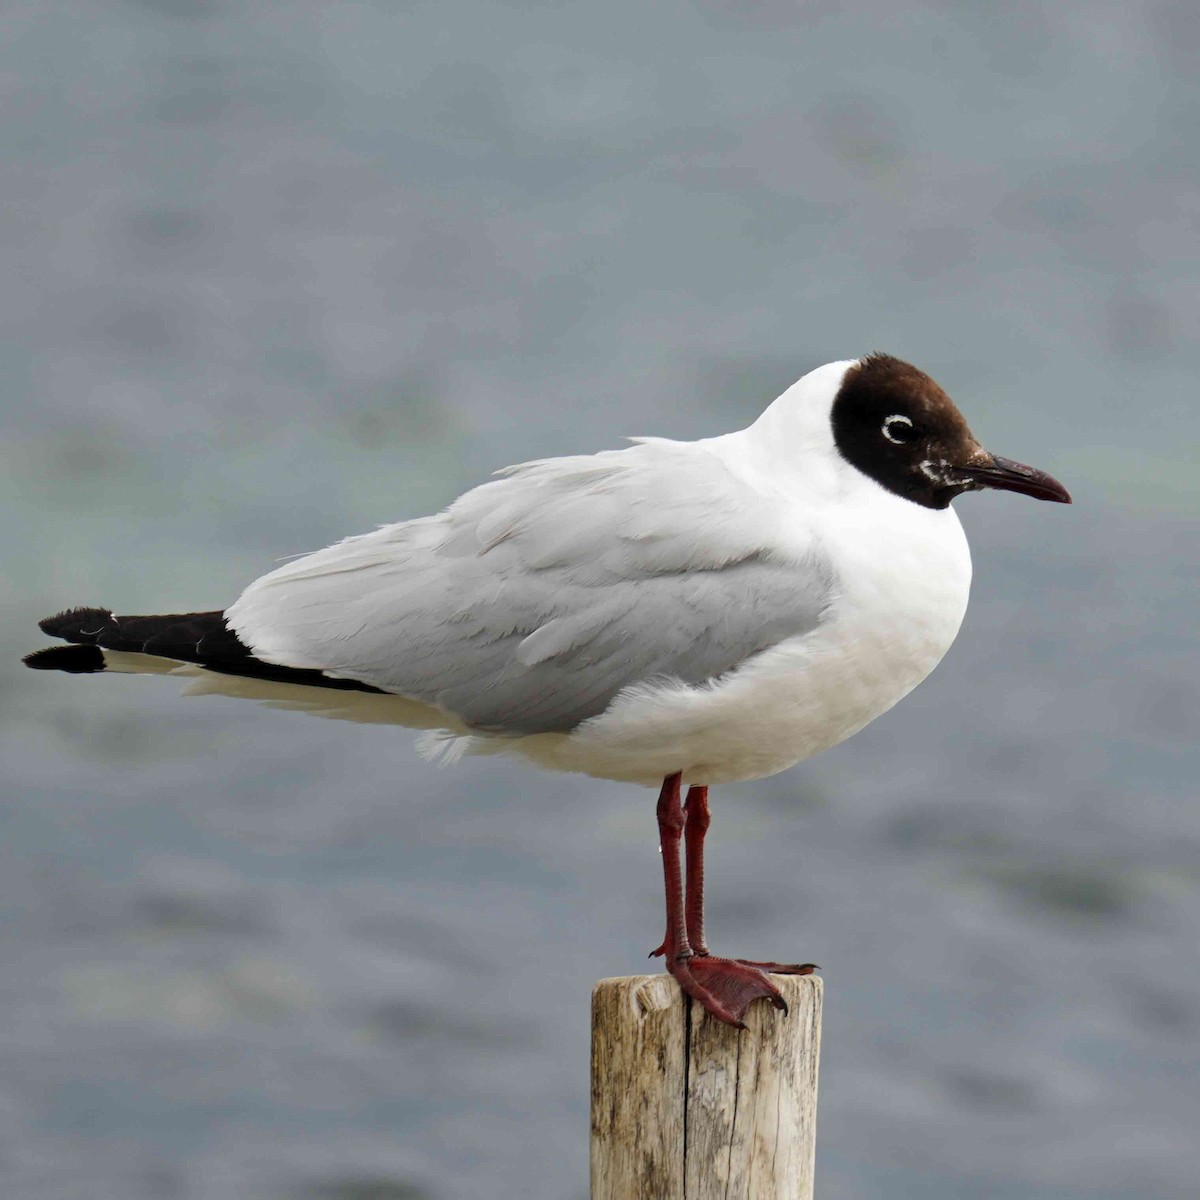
[(1009, 476)]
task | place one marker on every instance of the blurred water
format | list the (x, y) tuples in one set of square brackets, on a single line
[(274, 273)]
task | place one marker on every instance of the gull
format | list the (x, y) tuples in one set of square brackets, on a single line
[(667, 614)]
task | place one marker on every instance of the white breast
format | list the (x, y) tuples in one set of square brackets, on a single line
[(903, 577)]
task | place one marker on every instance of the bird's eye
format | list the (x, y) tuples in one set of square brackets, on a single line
[(899, 429)]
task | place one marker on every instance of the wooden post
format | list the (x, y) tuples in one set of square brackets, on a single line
[(685, 1107)]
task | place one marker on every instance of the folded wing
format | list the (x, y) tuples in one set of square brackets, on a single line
[(533, 600)]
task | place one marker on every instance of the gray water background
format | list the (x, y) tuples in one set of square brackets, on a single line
[(275, 272)]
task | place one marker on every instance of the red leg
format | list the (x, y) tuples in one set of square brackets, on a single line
[(723, 986), (670, 826), (696, 823)]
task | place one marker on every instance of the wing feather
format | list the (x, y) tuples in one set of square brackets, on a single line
[(534, 599)]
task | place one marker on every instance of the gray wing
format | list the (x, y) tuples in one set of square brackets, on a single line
[(531, 602), (544, 655)]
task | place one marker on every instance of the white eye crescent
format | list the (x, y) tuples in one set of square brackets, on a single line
[(893, 429)]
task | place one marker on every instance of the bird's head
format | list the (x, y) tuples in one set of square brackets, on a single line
[(896, 425)]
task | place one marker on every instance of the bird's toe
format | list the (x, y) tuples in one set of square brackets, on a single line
[(725, 987)]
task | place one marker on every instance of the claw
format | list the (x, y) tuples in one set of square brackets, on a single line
[(774, 968)]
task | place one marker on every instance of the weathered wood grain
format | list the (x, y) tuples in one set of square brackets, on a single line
[(639, 1049), (752, 1100), (687, 1108)]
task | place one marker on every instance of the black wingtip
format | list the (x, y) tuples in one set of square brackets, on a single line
[(75, 660), (74, 623), (202, 637)]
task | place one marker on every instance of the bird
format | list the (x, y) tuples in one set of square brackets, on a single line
[(669, 614)]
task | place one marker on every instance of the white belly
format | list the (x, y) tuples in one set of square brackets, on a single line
[(901, 598)]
